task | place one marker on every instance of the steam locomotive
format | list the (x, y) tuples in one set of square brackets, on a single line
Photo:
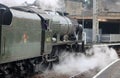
[(31, 39)]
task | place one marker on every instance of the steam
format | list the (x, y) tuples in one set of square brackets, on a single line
[(96, 58), (50, 4), (43, 4), (15, 2), (8, 2)]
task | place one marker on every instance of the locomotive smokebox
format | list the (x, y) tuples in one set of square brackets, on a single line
[(62, 24)]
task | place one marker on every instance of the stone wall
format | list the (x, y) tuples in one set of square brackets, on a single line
[(73, 7)]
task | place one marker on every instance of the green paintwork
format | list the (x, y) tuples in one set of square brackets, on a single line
[(20, 40), (48, 42)]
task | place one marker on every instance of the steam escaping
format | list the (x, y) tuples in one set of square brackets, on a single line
[(96, 58), (15, 2), (8, 2), (50, 4), (53, 5)]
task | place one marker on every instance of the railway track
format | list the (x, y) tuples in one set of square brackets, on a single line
[(88, 74), (51, 74), (62, 76)]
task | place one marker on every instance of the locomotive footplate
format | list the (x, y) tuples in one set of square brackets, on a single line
[(67, 42)]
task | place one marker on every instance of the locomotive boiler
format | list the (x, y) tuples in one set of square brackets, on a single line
[(32, 39)]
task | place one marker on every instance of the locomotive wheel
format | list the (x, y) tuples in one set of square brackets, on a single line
[(2, 74), (43, 66)]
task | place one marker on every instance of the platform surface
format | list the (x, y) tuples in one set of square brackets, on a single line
[(111, 71)]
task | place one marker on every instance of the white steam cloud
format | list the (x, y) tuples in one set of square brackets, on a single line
[(15, 2), (50, 4), (43, 4), (95, 58)]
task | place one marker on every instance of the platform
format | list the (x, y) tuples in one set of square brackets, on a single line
[(111, 71)]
